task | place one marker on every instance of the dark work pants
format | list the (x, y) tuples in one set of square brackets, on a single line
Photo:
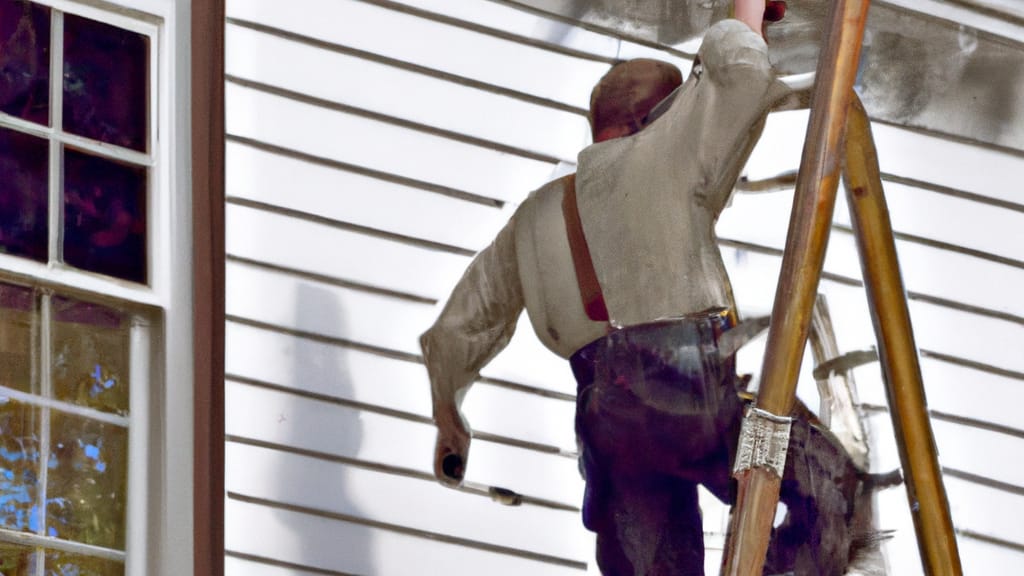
[(657, 414)]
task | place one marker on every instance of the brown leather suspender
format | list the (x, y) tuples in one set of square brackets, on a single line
[(586, 276)]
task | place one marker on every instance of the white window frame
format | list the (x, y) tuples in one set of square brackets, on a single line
[(159, 515)]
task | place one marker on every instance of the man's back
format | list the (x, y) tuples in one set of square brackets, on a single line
[(648, 203)]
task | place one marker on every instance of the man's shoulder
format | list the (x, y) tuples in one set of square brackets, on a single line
[(551, 190), (543, 206)]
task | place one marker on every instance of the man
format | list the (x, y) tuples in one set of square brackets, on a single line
[(619, 271)]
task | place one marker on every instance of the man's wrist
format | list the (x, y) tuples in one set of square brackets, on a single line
[(447, 414), (750, 12)]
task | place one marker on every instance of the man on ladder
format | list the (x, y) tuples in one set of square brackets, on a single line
[(619, 271)]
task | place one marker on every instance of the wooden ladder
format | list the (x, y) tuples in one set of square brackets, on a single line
[(836, 111)]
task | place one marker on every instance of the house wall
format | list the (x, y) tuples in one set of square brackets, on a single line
[(374, 146)]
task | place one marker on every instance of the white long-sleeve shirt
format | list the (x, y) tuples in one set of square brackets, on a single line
[(648, 204)]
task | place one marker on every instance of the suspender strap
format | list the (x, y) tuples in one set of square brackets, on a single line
[(586, 276)]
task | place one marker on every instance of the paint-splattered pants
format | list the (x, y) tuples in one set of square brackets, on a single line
[(657, 414)]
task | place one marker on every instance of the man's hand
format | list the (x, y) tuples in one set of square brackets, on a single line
[(451, 452), (774, 10)]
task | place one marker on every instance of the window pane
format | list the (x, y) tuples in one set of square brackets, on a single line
[(19, 321), (90, 355), (86, 482), (19, 466), (25, 60), (23, 220), (104, 216), (17, 560), (105, 82), (65, 564)]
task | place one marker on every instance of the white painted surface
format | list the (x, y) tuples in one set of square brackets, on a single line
[(326, 367)]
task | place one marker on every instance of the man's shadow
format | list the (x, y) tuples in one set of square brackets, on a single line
[(330, 544)]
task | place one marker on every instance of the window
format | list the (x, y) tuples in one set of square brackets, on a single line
[(74, 146), (80, 188), (65, 394)]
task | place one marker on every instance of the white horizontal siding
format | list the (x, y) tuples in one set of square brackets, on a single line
[(335, 545), (366, 378), (353, 255), (926, 270), (375, 145), (953, 164), (903, 152), (275, 417), (971, 506), (952, 220), (399, 93), (523, 23), (380, 146), (414, 503), (441, 46), (963, 449), (977, 557), (509, 18), (941, 329), (985, 557), (344, 196), (375, 320), (235, 565), (972, 393)]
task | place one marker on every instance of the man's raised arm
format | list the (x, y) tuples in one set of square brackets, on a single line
[(476, 324), (750, 12), (754, 13)]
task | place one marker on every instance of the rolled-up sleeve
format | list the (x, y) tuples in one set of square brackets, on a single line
[(732, 52)]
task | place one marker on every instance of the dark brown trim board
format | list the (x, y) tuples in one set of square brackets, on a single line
[(207, 57)]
